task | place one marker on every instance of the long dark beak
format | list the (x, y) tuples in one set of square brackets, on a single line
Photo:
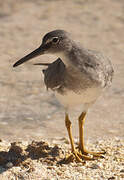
[(37, 52)]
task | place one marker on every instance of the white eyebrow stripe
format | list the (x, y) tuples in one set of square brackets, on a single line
[(50, 40)]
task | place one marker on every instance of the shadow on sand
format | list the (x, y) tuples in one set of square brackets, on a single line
[(22, 155)]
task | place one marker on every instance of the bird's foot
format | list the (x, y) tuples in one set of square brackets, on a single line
[(74, 156), (81, 156), (77, 156), (94, 155)]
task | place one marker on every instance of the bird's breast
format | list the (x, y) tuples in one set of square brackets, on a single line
[(70, 98)]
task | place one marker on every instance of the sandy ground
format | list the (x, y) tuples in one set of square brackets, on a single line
[(43, 160), (27, 110)]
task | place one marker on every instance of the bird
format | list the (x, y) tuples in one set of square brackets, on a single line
[(78, 76)]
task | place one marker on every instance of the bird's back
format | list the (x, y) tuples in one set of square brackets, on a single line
[(94, 65)]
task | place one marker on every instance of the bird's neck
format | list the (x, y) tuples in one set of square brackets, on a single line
[(65, 58), (71, 58)]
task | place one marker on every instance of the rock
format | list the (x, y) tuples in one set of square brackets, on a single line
[(94, 166), (9, 165)]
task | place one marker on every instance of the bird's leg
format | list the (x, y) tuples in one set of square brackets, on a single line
[(74, 154), (82, 149), (81, 120)]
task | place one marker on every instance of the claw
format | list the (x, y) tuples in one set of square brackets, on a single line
[(73, 156), (94, 154)]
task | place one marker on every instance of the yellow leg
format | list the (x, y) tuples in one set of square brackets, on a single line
[(81, 140), (81, 129), (74, 154), (68, 126)]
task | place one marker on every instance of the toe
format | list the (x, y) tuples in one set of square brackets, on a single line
[(74, 156)]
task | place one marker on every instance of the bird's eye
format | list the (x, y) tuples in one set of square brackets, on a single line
[(55, 39)]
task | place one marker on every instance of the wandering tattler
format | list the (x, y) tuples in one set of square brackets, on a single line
[(78, 77)]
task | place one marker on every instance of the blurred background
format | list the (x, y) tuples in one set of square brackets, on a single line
[(27, 110)]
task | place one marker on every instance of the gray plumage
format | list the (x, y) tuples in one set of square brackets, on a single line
[(77, 70), (93, 68)]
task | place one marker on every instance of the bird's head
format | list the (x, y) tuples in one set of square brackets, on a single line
[(55, 42)]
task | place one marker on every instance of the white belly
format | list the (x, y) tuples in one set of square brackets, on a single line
[(71, 99)]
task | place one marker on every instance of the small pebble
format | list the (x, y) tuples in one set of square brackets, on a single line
[(94, 166), (122, 171), (9, 164), (111, 178)]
